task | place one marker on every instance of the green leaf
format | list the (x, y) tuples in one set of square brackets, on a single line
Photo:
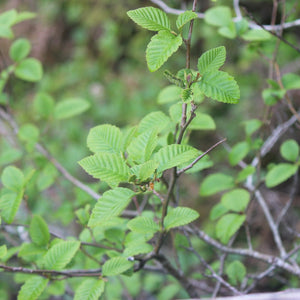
[(218, 16), (220, 86), (30, 252), (236, 200), (105, 138), (169, 94), (180, 216), (60, 255), (215, 183), (70, 107), (12, 178), (137, 249), (90, 289), (217, 211), (202, 122), (29, 69), (187, 95), (10, 155), (8, 18), (290, 150), (6, 32), (280, 173), (236, 272), (228, 225), (185, 17), (23, 16), (272, 96), (116, 266), (43, 105), (145, 170), (238, 152), (150, 18), (228, 31), (142, 147), (160, 48), (174, 155), (19, 49), (252, 125), (39, 231), (143, 225), (110, 168), (29, 133), (111, 204), (32, 288), (211, 60), (46, 177), (256, 35), (174, 79), (242, 175), (154, 120), (291, 81), (3, 251), (9, 205)]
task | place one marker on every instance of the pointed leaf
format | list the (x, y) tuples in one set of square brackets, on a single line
[(220, 86), (218, 16), (137, 248), (70, 107), (32, 288), (180, 216), (39, 231), (150, 18), (145, 170), (29, 69), (290, 150), (202, 122), (236, 200), (236, 272), (238, 152), (9, 205), (90, 289), (60, 255), (110, 168), (184, 18), (19, 49), (111, 204), (143, 225), (169, 94), (215, 183), (155, 120), (105, 138), (211, 60), (174, 155), (12, 178), (280, 173), (252, 125), (160, 48), (116, 266)]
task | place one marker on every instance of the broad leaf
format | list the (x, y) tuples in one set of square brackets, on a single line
[(291, 81), (256, 35), (160, 48), (19, 49), (217, 211), (252, 125), (236, 272), (215, 183), (169, 94), (90, 289), (137, 249), (290, 150), (105, 138), (220, 86), (60, 255), (180, 216), (8, 17), (174, 155), (154, 120), (116, 266), (184, 18), (29, 69), (218, 16), (238, 152), (29, 133), (70, 107), (111, 204), (145, 170), (39, 231), (9, 205), (30, 252), (202, 122), (236, 200), (228, 225), (43, 105), (110, 168), (12, 178), (280, 173), (150, 18), (3, 251), (32, 288), (242, 175), (143, 225), (211, 60)]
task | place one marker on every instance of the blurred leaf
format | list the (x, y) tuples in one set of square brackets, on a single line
[(8, 17), (29, 69), (32, 288), (116, 266), (39, 232), (19, 49), (291, 81), (242, 175), (218, 16), (256, 35), (9, 205), (12, 178), (236, 272), (29, 133), (280, 173), (236, 200), (89, 289), (290, 150), (71, 107), (217, 211), (3, 251), (43, 105), (169, 94), (252, 125), (202, 122), (215, 183), (238, 152)]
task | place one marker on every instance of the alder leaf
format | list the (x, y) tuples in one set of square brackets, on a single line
[(39, 231), (280, 173), (116, 266), (143, 225), (32, 288), (180, 216), (184, 18), (211, 60), (90, 289)]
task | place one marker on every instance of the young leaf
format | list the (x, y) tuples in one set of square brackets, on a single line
[(174, 155), (60, 255), (184, 18), (211, 60), (215, 183), (218, 16), (236, 200), (32, 288), (29, 69), (110, 168), (228, 225), (19, 49), (160, 48), (116, 266), (70, 107), (150, 18), (236, 272), (105, 138), (9, 205), (12, 178), (280, 173), (220, 86), (155, 120), (39, 231), (290, 150), (90, 289), (145, 170), (111, 204), (180, 216), (169, 94), (174, 79), (238, 152), (143, 225)]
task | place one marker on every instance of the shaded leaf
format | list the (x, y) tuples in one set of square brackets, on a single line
[(215, 183), (218, 16), (29, 69), (90, 289), (39, 232), (19, 49), (290, 150), (236, 200), (70, 107), (217, 211), (236, 272), (143, 225), (13, 178), (238, 152), (32, 288)]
